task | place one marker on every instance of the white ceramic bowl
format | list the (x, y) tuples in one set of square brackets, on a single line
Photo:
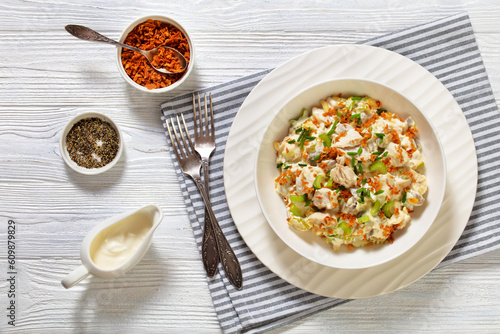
[(306, 243), (122, 40), (65, 153)]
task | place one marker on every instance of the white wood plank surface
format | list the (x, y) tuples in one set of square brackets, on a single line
[(47, 76)]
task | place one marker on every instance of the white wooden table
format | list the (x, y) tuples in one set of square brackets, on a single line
[(47, 76)]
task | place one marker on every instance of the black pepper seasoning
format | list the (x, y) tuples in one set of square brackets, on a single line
[(92, 143)]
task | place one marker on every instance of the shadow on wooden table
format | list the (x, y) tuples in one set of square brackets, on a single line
[(109, 304)]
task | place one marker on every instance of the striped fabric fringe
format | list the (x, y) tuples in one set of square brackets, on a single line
[(447, 48)]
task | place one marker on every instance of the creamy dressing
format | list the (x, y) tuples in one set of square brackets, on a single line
[(117, 243), (349, 171)]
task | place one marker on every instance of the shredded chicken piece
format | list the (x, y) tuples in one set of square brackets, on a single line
[(343, 175)]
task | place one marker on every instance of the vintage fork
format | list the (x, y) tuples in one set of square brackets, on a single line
[(204, 144), (190, 165)]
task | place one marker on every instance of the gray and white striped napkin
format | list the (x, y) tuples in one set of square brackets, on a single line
[(447, 48)]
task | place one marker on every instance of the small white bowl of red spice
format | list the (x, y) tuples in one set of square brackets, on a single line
[(147, 33), (91, 143)]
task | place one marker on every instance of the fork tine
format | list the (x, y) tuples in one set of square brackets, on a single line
[(200, 116), (206, 115), (212, 115), (186, 147), (174, 144), (187, 134), (194, 118)]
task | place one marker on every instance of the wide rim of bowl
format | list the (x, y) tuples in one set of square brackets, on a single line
[(65, 154), (124, 35), (279, 109)]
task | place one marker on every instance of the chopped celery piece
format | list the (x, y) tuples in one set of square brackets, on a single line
[(387, 209), (329, 184), (288, 154), (363, 219), (356, 98), (378, 166), (375, 208), (349, 104), (295, 210), (318, 181), (298, 198), (302, 114), (299, 223), (326, 107), (345, 228), (327, 142)]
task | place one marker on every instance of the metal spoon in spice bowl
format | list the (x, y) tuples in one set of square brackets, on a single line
[(88, 34)]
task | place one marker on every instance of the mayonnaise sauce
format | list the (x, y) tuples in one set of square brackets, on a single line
[(117, 243)]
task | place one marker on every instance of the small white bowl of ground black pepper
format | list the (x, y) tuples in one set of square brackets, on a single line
[(91, 143)]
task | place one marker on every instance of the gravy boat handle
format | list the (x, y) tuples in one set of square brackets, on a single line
[(75, 277)]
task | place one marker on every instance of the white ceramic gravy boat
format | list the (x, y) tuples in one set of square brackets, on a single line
[(116, 245)]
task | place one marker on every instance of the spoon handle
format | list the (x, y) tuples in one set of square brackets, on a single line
[(88, 34)]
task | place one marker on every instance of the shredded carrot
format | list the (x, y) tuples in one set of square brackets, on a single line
[(395, 137), (329, 153), (343, 134), (149, 35), (411, 132), (351, 219)]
